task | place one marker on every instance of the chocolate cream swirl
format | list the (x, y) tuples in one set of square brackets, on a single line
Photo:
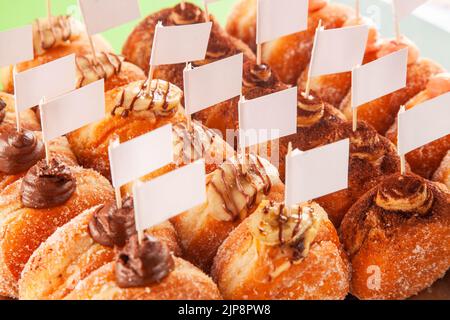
[(143, 264), (19, 150), (47, 185), (310, 110), (186, 14), (112, 227), (258, 76)]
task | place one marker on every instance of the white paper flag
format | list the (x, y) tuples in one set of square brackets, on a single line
[(16, 46), (136, 158), (424, 123), (277, 18), (102, 15), (73, 110), (379, 78), (403, 8), (49, 80), (347, 46), (179, 44), (316, 173), (169, 195), (213, 83), (267, 118)]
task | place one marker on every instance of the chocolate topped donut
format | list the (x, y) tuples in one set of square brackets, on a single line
[(47, 185), (19, 150), (111, 226), (143, 264), (2, 110)]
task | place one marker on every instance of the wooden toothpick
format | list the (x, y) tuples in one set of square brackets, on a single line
[(358, 10), (308, 81), (402, 156), (206, 11), (113, 143), (183, 5), (46, 143), (18, 122), (94, 53), (49, 9)]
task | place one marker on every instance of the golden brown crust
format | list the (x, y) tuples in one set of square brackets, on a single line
[(203, 229), (401, 231), (381, 113), (22, 229), (28, 118), (246, 268), (442, 174), (185, 282), (138, 46), (70, 255), (90, 143), (80, 47)]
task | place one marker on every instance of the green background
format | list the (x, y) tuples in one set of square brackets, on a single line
[(433, 41)]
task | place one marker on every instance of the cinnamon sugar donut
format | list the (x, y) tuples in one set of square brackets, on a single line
[(138, 46), (146, 270), (381, 113), (79, 248), (442, 174), (276, 254), (32, 208), (425, 160), (398, 238), (53, 40), (289, 55), (232, 195), (130, 112)]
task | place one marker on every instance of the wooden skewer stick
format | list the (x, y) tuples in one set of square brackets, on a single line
[(141, 233), (46, 143), (114, 142), (183, 5), (402, 156), (288, 209), (397, 27), (259, 54), (18, 122), (49, 9), (206, 12), (358, 10), (355, 110), (308, 81)]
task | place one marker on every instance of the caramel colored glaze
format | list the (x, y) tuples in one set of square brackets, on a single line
[(111, 67), (185, 283), (70, 255), (442, 174), (59, 149), (28, 119), (79, 46), (425, 160), (250, 266), (231, 197), (133, 118), (402, 227), (137, 48), (290, 55), (23, 229), (381, 113), (257, 81)]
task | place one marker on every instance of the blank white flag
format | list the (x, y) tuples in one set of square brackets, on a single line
[(379, 78), (424, 123), (169, 195), (267, 118), (179, 44), (404, 8), (317, 172), (102, 15), (49, 80), (213, 83), (16, 45), (277, 18), (338, 50), (73, 110), (142, 155)]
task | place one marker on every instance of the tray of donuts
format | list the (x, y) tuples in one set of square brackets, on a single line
[(69, 232)]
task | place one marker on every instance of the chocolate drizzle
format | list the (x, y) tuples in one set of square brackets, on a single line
[(231, 179), (19, 150), (112, 227), (109, 64), (49, 33), (2, 110), (163, 98), (258, 76), (189, 14), (47, 185), (143, 264)]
